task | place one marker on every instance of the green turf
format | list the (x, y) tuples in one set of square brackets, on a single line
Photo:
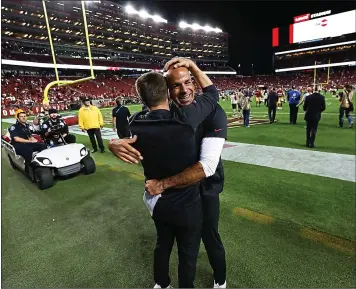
[(95, 231), (329, 138)]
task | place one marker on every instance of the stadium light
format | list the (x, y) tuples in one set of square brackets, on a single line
[(195, 26), (183, 24), (144, 14), (157, 18), (130, 10)]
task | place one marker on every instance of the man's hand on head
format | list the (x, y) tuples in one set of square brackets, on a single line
[(154, 187), (180, 62), (122, 149)]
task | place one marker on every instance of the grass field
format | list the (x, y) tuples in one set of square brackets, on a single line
[(329, 138), (280, 228)]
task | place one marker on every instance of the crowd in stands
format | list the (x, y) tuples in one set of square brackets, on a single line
[(27, 90)]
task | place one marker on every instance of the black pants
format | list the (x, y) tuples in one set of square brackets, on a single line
[(97, 133), (188, 243), (293, 113), (27, 149), (272, 113), (312, 127), (211, 238), (123, 132)]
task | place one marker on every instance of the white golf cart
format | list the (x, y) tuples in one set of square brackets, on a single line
[(62, 160)]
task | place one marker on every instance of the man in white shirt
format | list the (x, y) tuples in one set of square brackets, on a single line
[(309, 92), (234, 100)]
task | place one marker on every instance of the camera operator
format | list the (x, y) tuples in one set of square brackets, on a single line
[(346, 105), (55, 126)]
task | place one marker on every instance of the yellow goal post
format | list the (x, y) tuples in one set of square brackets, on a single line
[(327, 79), (66, 82)]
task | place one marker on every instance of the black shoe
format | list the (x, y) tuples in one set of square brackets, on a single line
[(102, 151), (312, 146), (94, 151), (307, 144)]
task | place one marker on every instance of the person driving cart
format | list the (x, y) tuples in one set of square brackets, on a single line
[(55, 127), (22, 140)]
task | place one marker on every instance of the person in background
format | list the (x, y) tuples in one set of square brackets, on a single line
[(309, 92), (120, 119), (280, 94), (234, 100), (314, 105), (17, 110), (346, 105), (245, 106), (54, 126), (272, 100), (293, 97), (265, 97), (91, 121)]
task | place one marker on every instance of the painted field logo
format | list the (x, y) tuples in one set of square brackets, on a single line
[(238, 122)]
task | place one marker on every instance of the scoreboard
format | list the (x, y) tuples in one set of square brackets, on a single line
[(313, 27), (315, 40)]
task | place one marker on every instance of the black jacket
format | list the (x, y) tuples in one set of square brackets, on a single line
[(272, 99), (314, 105)]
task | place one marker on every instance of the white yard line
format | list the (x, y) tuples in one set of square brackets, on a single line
[(332, 165)]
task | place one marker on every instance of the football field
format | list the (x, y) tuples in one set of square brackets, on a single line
[(280, 228)]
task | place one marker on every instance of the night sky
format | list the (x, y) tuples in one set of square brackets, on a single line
[(249, 23)]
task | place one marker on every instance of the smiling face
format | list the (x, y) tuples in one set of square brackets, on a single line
[(22, 117), (181, 87)]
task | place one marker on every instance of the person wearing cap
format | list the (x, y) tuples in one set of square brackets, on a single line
[(54, 126), (91, 121)]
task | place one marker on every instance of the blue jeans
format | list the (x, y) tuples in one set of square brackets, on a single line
[(341, 116), (246, 114)]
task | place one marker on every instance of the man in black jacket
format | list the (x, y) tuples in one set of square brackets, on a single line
[(213, 129), (120, 119), (272, 100), (314, 105), (168, 146)]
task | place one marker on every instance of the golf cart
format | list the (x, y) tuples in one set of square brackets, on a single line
[(61, 160)]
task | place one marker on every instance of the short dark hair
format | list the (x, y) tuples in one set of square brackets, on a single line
[(117, 100), (152, 88), (21, 112)]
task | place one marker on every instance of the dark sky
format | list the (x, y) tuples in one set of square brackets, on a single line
[(249, 23)]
